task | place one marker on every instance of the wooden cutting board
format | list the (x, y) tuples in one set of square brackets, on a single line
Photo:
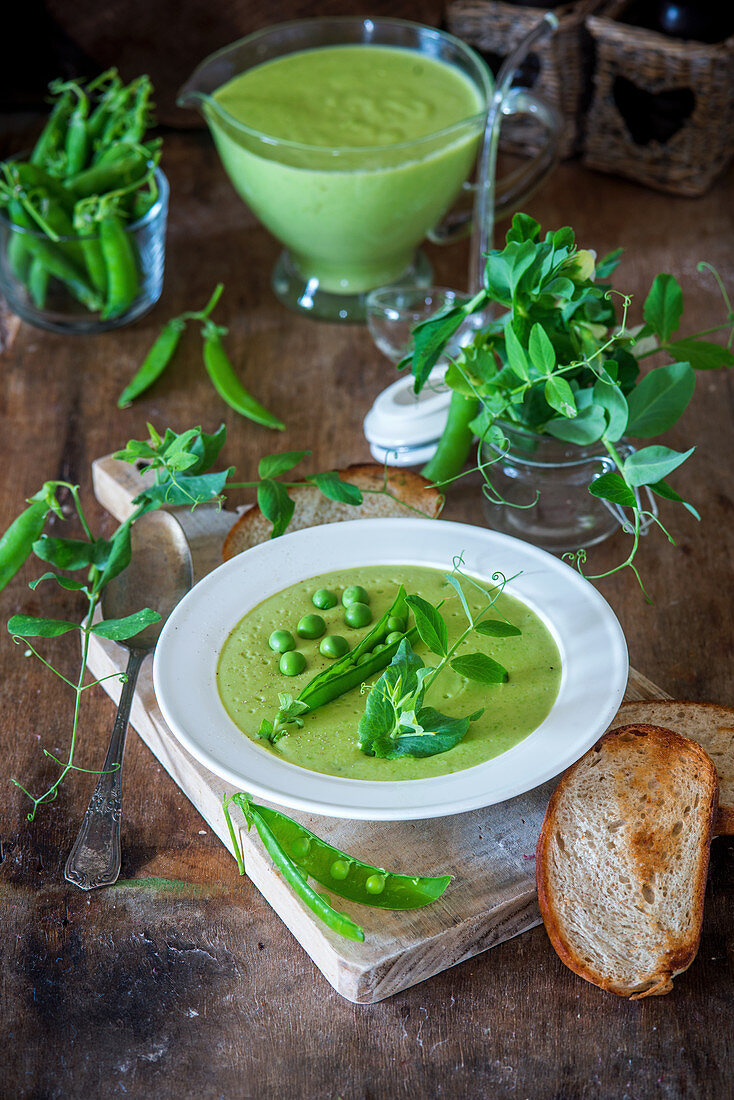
[(490, 853)]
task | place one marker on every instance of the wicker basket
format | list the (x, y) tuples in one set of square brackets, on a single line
[(562, 63), (663, 109)]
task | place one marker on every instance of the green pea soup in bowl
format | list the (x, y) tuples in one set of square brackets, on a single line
[(216, 675)]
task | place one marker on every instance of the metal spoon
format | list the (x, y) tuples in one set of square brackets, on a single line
[(158, 576)]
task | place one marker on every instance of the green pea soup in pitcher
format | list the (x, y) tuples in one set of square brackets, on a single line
[(349, 154)]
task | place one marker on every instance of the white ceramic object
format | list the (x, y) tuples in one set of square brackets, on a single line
[(403, 427), (588, 635)]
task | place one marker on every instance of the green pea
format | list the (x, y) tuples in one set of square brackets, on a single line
[(301, 847), (292, 663), (333, 645), (325, 898), (364, 658), (339, 869), (355, 594), (324, 599), (394, 637), (357, 614), (281, 641), (311, 626), (379, 648), (396, 623), (375, 884)]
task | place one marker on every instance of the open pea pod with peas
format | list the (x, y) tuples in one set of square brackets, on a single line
[(299, 855)]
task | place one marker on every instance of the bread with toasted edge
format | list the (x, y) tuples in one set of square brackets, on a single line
[(709, 724), (417, 496), (622, 859)]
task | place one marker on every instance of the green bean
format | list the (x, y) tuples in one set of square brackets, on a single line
[(17, 542), (155, 362), (341, 873), (361, 663), (337, 922), (121, 266), (227, 384), (38, 277)]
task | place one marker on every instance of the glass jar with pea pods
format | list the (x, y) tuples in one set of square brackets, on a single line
[(78, 282)]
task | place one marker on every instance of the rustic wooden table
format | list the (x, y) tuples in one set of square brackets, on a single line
[(188, 985)]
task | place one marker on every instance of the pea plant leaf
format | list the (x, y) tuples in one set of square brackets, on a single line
[(31, 626), (652, 464), (607, 264), (659, 399), (587, 427), (430, 624), (395, 723), (273, 465), (612, 487), (186, 491), (497, 628), (429, 339), (206, 448), (275, 505), (662, 489), (611, 399), (515, 355), (65, 582), (701, 354), (542, 352), (332, 486), (480, 668), (120, 629), (559, 396), (72, 553), (663, 306)]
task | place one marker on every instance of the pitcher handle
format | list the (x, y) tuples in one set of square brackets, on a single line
[(517, 185)]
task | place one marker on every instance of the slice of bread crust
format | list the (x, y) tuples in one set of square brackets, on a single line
[(622, 859), (416, 495), (709, 724)]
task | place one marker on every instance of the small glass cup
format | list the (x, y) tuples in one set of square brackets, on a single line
[(49, 302), (394, 311), (546, 485)]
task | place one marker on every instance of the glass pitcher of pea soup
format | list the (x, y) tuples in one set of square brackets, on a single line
[(350, 139)]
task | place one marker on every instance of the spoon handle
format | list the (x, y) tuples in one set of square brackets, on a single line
[(96, 856)]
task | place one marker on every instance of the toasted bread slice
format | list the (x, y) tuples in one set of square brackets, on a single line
[(416, 495), (709, 724), (622, 859)]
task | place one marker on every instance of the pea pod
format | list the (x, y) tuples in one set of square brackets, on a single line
[(77, 144), (154, 363), (338, 922), (128, 165), (17, 542), (56, 262), (121, 267), (347, 672), (38, 277), (226, 382), (52, 135)]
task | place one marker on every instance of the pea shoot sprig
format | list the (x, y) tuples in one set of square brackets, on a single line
[(181, 464), (216, 361), (561, 361), (396, 721)]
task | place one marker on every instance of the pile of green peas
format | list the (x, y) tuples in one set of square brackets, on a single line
[(357, 614)]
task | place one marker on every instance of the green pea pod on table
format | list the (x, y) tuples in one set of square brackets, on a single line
[(226, 382), (300, 855), (16, 544), (154, 363)]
